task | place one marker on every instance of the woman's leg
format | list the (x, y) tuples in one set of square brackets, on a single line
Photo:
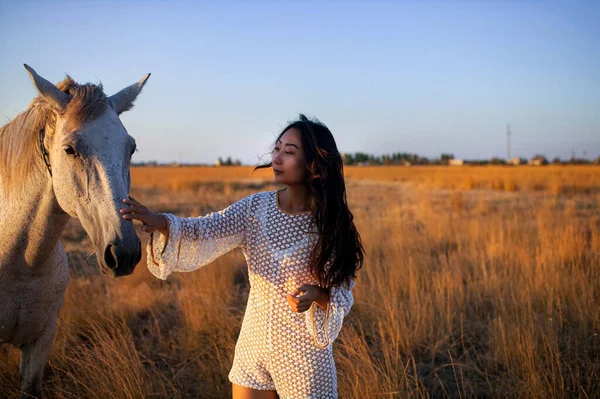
[(240, 392)]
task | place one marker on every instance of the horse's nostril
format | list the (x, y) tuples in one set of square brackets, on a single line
[(110, 257)]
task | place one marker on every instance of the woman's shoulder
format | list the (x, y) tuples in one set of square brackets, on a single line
[(260, 198)]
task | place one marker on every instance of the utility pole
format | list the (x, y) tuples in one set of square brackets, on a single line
[(507, 143)]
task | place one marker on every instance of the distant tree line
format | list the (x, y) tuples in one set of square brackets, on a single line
[(399, 158), (404, 158), (407, 159)]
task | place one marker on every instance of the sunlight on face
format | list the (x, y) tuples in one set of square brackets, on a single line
[(288, 158)]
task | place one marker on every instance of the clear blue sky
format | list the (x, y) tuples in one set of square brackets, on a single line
[(424, 77)]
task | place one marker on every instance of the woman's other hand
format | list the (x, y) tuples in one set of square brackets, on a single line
[(303, 296)]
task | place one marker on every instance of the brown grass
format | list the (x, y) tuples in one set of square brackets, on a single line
[(465, 292)]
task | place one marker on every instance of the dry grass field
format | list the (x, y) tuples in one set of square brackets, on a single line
[(478, 282)]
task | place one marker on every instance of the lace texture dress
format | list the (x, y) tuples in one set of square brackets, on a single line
[(277, 349)]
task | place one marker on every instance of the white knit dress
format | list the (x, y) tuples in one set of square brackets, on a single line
[(277, 348)]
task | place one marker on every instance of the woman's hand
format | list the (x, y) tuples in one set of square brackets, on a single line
[(303, 296), (152, 221)]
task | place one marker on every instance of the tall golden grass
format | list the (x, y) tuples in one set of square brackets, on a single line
[(464, 293)]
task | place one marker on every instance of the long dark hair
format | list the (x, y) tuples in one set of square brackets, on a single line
[(338, 253)]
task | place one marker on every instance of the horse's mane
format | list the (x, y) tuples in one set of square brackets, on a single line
[(20, 154)]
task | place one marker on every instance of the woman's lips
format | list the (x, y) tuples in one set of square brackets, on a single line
[(277, 172)]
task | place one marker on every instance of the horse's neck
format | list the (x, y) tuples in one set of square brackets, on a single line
[(32, 224)]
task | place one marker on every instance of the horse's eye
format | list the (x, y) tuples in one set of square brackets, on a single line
[(69, 150), (134, 149)]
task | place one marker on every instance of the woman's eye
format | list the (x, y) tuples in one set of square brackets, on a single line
[(289, 153)]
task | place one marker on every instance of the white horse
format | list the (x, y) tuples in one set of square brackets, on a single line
[(67, 155)]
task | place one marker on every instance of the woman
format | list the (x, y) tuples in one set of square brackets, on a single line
[(302, 250)]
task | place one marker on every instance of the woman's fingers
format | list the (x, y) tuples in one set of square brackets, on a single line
[(137, 211), (132, 201), (300, 309), (305, 300), (142, 217), (293, 302), (136, 204), (304, 305), (133, 209), (298, 305)]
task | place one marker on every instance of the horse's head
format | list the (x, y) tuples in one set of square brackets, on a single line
[(88, 157)]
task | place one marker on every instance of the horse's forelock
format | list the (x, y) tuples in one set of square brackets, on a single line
[(87, 102)]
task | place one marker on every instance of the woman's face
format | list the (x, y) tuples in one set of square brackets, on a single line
[(288, 158)]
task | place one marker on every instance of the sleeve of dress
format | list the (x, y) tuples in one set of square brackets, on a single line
[(195, 242), (325, 324)]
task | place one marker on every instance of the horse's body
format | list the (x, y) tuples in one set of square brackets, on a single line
[(67, 155)]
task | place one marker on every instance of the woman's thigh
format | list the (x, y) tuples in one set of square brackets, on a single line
[(240, 392)]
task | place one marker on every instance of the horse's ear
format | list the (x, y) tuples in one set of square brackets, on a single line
[(57, 99), (123, 100)]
